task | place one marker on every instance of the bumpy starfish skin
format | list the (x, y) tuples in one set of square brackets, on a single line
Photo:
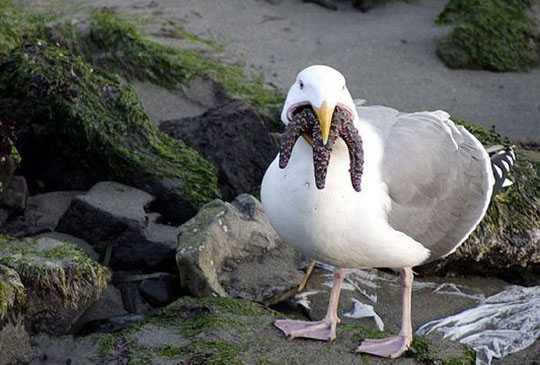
[(304, 121)]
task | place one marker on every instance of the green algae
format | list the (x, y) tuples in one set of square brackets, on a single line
[(12, 293), (63, 270), (16, 24), (116, 44), (494, 35), (97, 125)]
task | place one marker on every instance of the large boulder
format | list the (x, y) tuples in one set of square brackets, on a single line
[(230, 249), (77, 126), (236, 138), (113, 215), (60, 281)]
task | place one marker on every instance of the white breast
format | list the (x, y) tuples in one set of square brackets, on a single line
[(337, 225)]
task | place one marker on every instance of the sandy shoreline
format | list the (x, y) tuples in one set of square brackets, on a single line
[(387, 55)]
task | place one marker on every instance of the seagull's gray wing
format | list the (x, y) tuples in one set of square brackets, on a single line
[(439, 176)]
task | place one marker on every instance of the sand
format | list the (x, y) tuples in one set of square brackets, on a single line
[(387, 55)]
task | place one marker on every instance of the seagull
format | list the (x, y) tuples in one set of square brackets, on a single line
[(426, 184)]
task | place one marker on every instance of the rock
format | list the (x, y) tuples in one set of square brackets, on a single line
[(60, 281), (236, 138), (12, 294), (128, 283), (231, 249), (364, 5), (68, 350), (82, 244), (9, 156), (112, 214), (15, 344), (15, 194), (108, 306), (78, 125), (112, 324), (4, 215), (14, 339), (236, 331), (160, 290), (329, 4), (43, 211)]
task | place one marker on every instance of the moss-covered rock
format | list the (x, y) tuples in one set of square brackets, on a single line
[(60, 282), (228, 331), (508, 238), (12, 293), (16, 24), (77, 126), (489, 34)]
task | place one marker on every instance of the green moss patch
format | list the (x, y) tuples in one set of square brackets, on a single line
[(16, 24), (12, 294), (59, 270), (494, 35), (96, 126), (116, 44)]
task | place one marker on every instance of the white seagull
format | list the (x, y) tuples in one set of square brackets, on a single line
[(426, 185)]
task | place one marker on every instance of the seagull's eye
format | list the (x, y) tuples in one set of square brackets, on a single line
[(343, 87), (301, 84)]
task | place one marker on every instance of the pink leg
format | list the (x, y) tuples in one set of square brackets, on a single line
[(395, 346), (325, 329)]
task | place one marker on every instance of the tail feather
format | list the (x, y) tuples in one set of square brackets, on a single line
[(502, 161)]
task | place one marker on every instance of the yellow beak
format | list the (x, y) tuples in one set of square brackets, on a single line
[(324, 114)]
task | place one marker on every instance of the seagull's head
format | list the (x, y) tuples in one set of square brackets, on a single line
[(323, 88)]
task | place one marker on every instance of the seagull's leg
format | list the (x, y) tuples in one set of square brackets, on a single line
[(325, 329), (395, 346)]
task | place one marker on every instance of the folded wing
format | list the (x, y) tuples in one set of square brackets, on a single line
[(439, 176)]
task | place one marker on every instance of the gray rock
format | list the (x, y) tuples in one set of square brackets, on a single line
[(43, 211), (231, 249), (109, 305), (114, 215), (82, 244), (161, 290), (236, 138), (67, 350), (4, 215), (14, 344), (15, 194), (60, 281)]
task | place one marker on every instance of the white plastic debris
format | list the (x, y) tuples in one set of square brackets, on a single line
[(361, 310), (500, 325), (303, 298)]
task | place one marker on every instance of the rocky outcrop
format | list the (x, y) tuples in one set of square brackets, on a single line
[(236, 138), (230, 249), (78, 126), (60, 281), (113, 215)]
